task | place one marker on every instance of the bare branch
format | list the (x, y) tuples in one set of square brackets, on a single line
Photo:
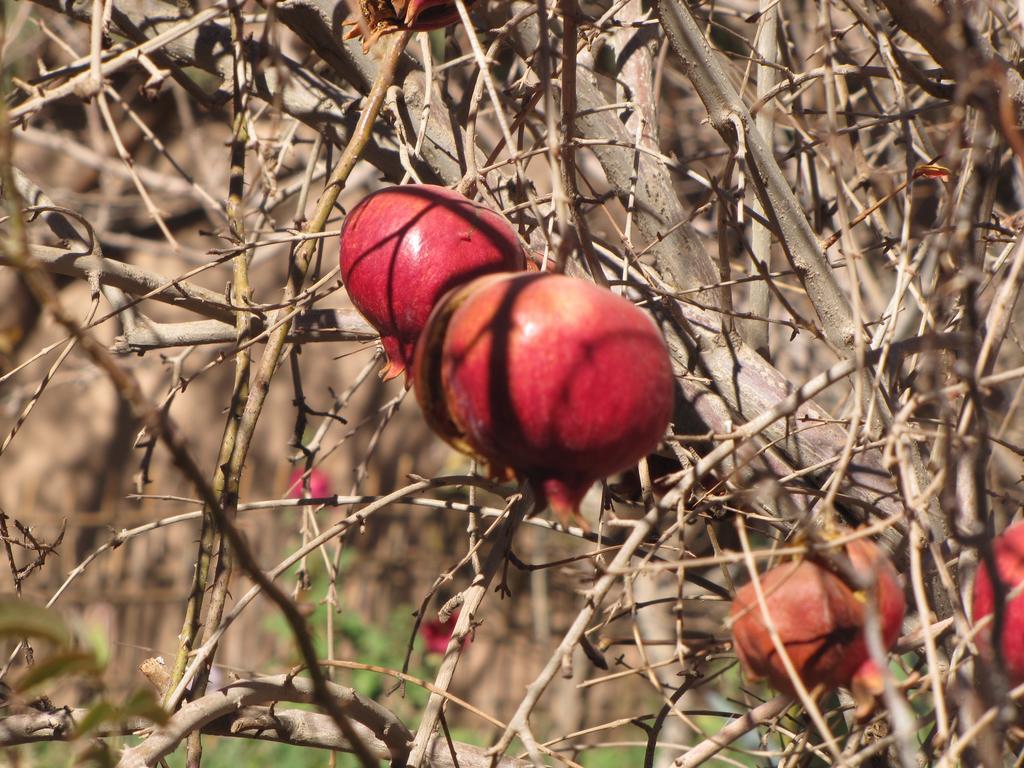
[(728, 115), (378, 728), (328, 325), (132, 279), (947, 33), (297, 727), (471, 600), (299, 92), (732, 731)]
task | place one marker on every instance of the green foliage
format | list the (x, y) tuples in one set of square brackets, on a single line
[(143, 703), (60, 665), (68, 654), (612, 757), (231, 753), (78, 655), (21, 619), (65, 653), (380, 645)]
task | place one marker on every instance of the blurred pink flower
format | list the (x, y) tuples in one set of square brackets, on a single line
[(436, 635), (319, 484)]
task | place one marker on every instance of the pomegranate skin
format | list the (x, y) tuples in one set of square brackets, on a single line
[(552, 377), (383, 17), (424, 15), (820, 621), (319, 483), (402, 248), (1009, 554)]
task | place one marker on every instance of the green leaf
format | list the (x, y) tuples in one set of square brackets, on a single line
[(144, 703), (140, 704), (99, 713), (60, 665), (96, 640), (20, 618)]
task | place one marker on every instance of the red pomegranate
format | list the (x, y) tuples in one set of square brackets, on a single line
[(820, 621), (1009, 555), (382, 17), (403, 247), (422, 15), (437, 634), (319, 483), (545, 376)]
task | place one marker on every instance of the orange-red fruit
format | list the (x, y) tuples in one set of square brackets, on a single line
[(551, 377), (820, 621), (1009, 555), (403, 247), (381, 17), (424, 15)]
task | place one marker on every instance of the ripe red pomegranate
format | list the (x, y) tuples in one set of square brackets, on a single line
[(546, 376), (423, 15), (382, 17), (820, 620), (1009, 554), (319, 483), (403, 247), (437, 634)]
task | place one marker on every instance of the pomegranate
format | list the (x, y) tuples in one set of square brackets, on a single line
[(546, 377), (319, 483), (820, 621), (1009, 556), (403, 247), (385, 16), (437, 634), (424, 15)]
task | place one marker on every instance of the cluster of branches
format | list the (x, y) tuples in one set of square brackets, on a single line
[(824, 143)]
